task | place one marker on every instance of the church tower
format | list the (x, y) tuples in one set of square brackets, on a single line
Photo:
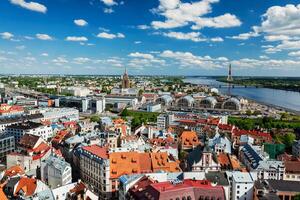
[(125, 80)]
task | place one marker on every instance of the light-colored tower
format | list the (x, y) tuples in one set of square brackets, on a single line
[(229, 77)]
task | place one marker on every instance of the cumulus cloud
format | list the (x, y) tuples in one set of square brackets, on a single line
[(42, 36), (109, 2), (45, 54), (245, 36), (76, 39), (81, 60), (294, 53), (193, 36), (106, 35), (80, 22), (189, 60), (34, 6), (141, 55), (217, 39), (6, 35), (179, 14), (281, 20)]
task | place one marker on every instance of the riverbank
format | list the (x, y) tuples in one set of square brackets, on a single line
[(286, 83), (286, 100)]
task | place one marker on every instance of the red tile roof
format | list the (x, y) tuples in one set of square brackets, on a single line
[(101, 152), (26, 185), (14, 170)]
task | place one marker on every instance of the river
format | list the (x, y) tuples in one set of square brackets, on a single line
[(282, 98)]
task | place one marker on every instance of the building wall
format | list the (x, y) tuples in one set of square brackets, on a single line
[(7, 145)]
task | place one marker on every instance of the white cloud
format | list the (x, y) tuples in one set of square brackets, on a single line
[(60, 60), (137, 42), (80, 22), (245, 36), (108, 10), (141, 55), (76, 39), (224, 21), (143, 27), (283, 20), (188, 59), (109, 2), (81, 60), (45, 54), (263, 57), (6, 35), (294, 53), (217, 39), (106, 35), (41, 36), (30, 5), (193, 36), (178, 14)]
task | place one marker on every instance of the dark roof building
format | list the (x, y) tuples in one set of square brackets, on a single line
[(282, 189)]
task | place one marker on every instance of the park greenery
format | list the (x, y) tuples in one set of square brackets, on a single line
[(265, 122), (139, 117)]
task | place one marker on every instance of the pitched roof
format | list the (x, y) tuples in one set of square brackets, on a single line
[(27, 186), (189, 139), (14, 170), (292, 167), (29, 140), (101, 152)]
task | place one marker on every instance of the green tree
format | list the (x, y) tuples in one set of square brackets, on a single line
[(125, 113), (95, 118), (289, 139)]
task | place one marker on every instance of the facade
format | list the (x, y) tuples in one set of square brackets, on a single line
[(202, 160), (83, 104), (101, 169), (53, 114), (7, 145), (292, 171), (76, 91), (31, 150), (153, 107), (95, 169), (56, 172), (241, 185), (271, 169), (38, 129)]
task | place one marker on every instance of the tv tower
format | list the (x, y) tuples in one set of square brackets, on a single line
[(229, 77)]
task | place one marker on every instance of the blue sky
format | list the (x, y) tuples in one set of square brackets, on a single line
[(174, 37)]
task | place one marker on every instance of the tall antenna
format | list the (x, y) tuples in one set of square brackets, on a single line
[(229, 77)]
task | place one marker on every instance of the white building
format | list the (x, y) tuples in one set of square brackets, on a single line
[(153, 108), (18, 130), (77, 91), (241, 185), (56, 172), (270, 169), (53, 114)]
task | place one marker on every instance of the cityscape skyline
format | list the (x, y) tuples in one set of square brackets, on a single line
[(161, 37)]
